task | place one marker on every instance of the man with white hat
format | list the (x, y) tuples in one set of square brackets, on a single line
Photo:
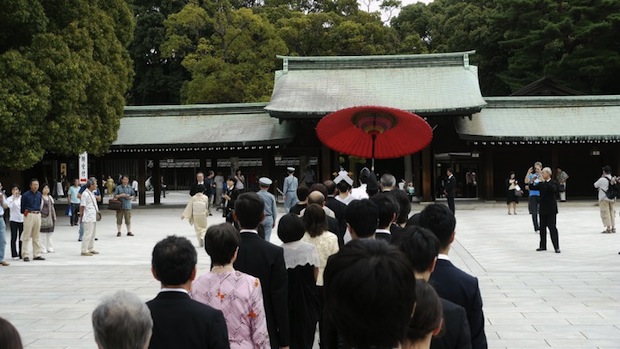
[(344, 183), (271, 210), (290, 189)]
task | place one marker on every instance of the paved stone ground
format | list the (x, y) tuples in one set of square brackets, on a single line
[(531, 299)]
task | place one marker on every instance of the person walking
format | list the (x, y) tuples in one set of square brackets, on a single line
[(239, 180), (48, 220), (3, 205), (125, 193), (74, 201), (548, 209), (450, 189), (219, 187), (238, 295), (17, 221), (290, 189), (562, 177), (511, 193), (110, 186), (88, 217), (271, 210), (196, 212), (605, 204), (31, 209)]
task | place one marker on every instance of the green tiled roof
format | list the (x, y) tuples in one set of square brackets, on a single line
[(424, 84), (201, 125), (566, 118)]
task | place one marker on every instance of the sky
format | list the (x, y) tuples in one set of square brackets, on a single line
[(375, 5)]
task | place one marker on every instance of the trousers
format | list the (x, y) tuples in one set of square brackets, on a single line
[(32, 227)]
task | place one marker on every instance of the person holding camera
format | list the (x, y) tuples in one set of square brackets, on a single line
[(533, 173), (605, 204)]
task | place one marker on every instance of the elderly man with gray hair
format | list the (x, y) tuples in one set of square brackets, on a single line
[(387, 182), (89, 210), (122, 321)]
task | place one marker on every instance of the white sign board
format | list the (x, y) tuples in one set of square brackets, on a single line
[(83, 168)]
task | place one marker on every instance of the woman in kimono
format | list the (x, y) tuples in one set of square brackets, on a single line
[(196, 212)]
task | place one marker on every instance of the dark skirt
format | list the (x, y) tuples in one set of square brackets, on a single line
[(303, 306), (511, 197)]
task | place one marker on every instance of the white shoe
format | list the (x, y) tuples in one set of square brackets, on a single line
[(51, 250)]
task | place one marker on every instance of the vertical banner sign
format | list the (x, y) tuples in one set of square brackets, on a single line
[(83, 168)]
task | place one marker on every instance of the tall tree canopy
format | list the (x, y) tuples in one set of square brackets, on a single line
[(64, 72), (229, 52)]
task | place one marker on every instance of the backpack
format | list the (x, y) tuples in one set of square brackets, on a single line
[(612, 191)]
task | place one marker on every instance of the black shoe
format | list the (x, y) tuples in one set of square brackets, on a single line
[(541, 249), (557, 250), (79, 240), (38, 258), (96, 239), (26, 259)]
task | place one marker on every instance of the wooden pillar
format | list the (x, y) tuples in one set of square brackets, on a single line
[(326, 163), (203, 165), (427, 174), (156, 182), (417, 177), (141, 180), (488, 174), (408, 169), (554, 158)]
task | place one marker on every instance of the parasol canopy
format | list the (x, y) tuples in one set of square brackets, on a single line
[(374, 132)]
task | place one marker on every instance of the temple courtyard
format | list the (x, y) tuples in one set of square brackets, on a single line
[(531, 299)]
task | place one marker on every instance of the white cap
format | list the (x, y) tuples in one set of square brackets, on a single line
[(343, 176), (265, 181), (290, 169)]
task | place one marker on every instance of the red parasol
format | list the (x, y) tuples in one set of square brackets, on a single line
[(374, 132)]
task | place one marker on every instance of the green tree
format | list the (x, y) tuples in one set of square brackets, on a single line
[(577, 42), (158, 79), (229, 52), (63, 80)]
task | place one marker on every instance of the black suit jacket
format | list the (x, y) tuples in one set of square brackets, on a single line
[(455, 333), (450, 187), (332, 225), (461, 288), (265, 261), (180, 322), (338, 207), (548, 196)]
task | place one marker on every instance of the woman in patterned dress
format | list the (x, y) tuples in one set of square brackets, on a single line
[(236, 294)]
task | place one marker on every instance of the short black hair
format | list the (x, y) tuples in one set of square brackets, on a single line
[(388, 207), (363, 217), (221, 242), (343, 186), (428, 312), (420, 246), (249, 208), (174, 259), (314, 220), (9, 337), (291, 228), (404, 205), (413, 220), (302, 193), (382, 282), (200, 188), (231, 178), (440, 220), (607, 169)]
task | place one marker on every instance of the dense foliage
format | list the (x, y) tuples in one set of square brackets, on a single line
[(65, 66), (64, 72)]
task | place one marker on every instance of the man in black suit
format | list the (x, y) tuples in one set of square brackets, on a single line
[(265, 261), (422, 248), (450, 282), (450, 189), (362, 219), (335, 205), (548, 209), (388, 211), (179, 321)]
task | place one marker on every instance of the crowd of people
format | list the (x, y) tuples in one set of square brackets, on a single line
[(354, 263)]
